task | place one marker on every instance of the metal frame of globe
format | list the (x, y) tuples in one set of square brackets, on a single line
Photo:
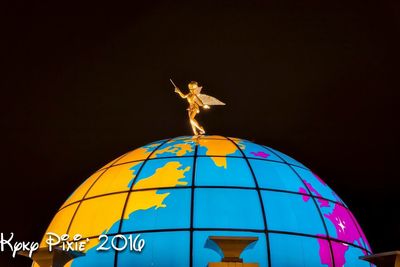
[(194, 187)]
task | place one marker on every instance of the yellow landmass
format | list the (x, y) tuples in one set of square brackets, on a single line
[(218, 148), (166, 176), (115, 179), (154, 145), (144, 200), (82, 189), (97, 215), (206, 137), (177, 149), (239, 142), (184, 148), (60, 222), (108, 164), (137, 154), (181, 138)]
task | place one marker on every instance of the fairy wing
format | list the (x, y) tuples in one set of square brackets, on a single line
[(209, 100)]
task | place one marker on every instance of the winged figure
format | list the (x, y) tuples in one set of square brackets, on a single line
[(196, 100)]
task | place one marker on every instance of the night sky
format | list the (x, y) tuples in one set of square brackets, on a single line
[(81, 85)]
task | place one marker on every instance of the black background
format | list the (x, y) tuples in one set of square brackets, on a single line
[(83, 84)]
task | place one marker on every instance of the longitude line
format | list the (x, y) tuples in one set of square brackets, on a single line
[(260, 199), (192, 204), (80, 202), (359, 230), (129, 193), (315, 203)]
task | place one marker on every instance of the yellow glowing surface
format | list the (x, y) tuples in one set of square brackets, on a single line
[(111, 162), (97, 215), (82, 189), (60, 222), (206, 137), (115, 179), (138, 154)]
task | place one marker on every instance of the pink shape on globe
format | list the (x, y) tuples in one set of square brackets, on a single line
[(345, 225), (260, 154)]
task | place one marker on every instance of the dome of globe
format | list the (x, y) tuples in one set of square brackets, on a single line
[(176, 193)]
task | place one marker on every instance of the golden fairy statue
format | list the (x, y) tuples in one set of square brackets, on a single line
[(196, 100)]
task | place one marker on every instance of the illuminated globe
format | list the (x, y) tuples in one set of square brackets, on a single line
[(176, 193)]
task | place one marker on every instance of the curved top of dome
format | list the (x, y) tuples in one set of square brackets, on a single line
[(208, 145), (212, 183)]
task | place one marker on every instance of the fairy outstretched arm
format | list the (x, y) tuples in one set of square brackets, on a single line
[(177, 90), (180, 93)]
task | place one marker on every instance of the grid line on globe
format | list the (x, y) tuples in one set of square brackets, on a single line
[(128, 195), (177, 192), (260, 198)]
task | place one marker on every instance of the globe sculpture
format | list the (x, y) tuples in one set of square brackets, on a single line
[(178, 192)]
